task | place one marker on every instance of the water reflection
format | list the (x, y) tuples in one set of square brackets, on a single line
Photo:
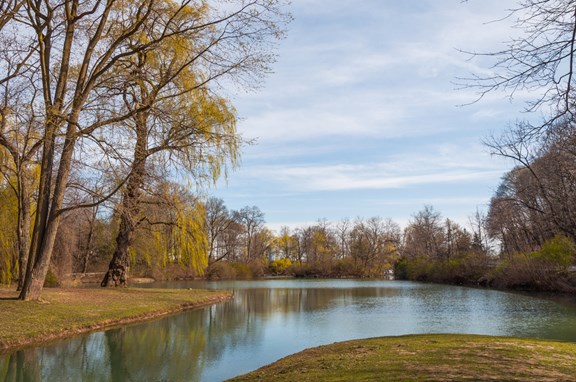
[(268, 320)]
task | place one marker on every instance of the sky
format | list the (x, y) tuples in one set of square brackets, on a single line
[(362, 115)]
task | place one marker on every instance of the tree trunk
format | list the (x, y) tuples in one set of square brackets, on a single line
[(89, 240), (34, 281), (47, 222), (24, 220), (41, 222), (39, 262), (117, 273), (119, 266)]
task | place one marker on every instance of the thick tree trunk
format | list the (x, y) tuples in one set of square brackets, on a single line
[(117, 273), (48, 217), (34, 281), (35, 273), (33, 285)]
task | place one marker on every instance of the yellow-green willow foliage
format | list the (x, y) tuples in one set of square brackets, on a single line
[(196, 126), (189, 239), (8, 235), (188, 125), (174, 233)]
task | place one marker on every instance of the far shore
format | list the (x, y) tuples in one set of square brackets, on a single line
[(66, 312)]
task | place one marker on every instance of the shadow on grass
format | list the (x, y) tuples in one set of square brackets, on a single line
[(8, 294)]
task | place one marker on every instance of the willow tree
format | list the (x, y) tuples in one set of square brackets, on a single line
[(178, 121), (211, 130), (20, 138), (20, 141), (8, 239)]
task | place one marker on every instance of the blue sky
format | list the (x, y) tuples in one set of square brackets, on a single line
[(361, 116)]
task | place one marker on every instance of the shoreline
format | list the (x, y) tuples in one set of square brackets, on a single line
[(86, 310)]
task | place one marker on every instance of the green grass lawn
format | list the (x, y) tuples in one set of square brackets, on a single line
[(65, 312), (441, 357)]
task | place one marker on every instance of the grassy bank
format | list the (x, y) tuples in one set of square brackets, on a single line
[(427, 358), (66, 312)]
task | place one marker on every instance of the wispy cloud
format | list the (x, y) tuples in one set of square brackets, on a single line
[(373, 69), (447, 164)]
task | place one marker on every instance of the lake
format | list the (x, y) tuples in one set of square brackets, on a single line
[(270, 319)]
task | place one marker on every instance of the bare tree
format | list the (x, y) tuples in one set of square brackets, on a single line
[(424, 236), (540, 61), (77, 43), (218, 220), (252, 220), (481, 240), (535, 201), (342, 230), (373, 242)]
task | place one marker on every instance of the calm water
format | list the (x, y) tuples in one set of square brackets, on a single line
[(268, 320)]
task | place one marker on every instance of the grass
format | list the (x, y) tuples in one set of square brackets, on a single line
[(440, 357), (66, 312)]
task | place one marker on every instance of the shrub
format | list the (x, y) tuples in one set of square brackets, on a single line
[(51, 281), (557, 251), (243, 271), (279, 266), (346, 268), (220, 271), (303, 270), (401, 269), (467, 269), (527, 272), (257, 268), (419, 269)]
